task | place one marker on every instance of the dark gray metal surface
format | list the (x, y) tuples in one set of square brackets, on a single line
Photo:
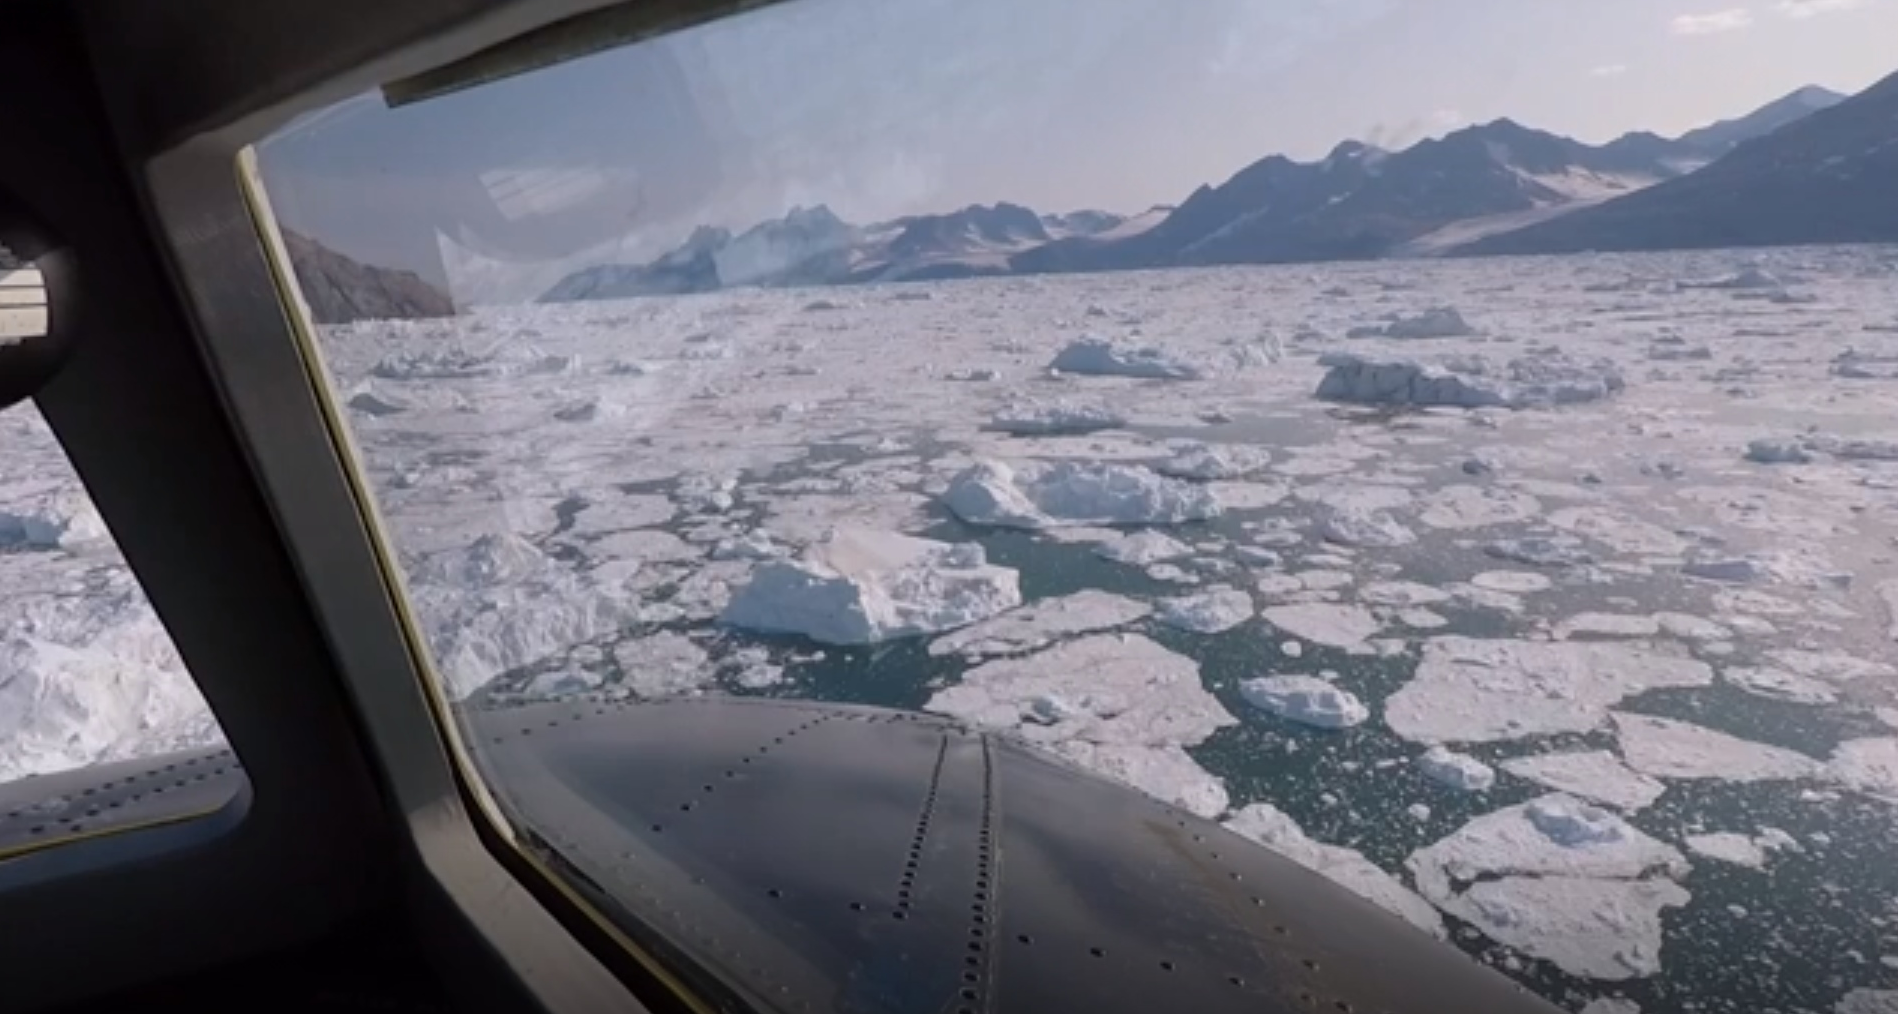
[(820, 858), (116, 797)]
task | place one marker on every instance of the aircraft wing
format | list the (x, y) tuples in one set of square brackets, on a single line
[(788, 856)]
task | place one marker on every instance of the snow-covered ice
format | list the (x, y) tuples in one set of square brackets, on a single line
[(1046, 495), (1472, 690), (1456, 770), (1335, 626), (1101, 357), (1117, 691), (1595, 775), (1561, 880), (1667, 748), (1306, 700), (860, 587), (1039, 624), (1728, 847), (1465, 381), (1213, 611)]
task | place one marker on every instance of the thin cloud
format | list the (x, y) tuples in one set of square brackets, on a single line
[(1608, 70), (1799, 10), (1713, 24)]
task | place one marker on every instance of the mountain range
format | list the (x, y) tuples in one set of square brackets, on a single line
[(1812, 167), (340, 289)]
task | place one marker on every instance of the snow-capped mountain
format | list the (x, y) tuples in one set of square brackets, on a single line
[(1716, 139), (1827, 178), (815, 247), (1363, 202), (1081, 223), (1359, 202)]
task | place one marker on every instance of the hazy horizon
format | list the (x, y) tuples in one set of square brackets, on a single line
[(916, 106)]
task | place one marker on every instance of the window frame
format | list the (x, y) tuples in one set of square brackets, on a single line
[(176, 92)]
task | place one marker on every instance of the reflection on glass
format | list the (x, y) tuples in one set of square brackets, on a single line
[(984, 358)]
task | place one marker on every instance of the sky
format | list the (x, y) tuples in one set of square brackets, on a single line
[(881, 108)]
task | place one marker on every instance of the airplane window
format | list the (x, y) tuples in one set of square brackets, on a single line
[(101, 727), (1450, 445)]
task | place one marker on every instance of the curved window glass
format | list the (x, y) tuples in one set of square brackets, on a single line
[(1448, 445)]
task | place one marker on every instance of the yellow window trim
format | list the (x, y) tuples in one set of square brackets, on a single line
[(257, 203)]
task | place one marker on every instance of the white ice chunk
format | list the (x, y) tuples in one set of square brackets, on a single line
[(62, 519), (1868, 765), (1031, 418), (662, 665), (1274, 829), (1435, 322), (1355, 526), (1143, 548), (1689, 627), (1467, 506), (1465, 382), (1779, 684), (1728, 847), (1045, 495), (1595, 775), (861, 587), (1307, 700), (1456, 770), (1607, 625), (1561, 880), (1599, 929), (1666, 748), (1039, 624), (1098, 356), (1402, 594), (1473, 690), (1206, 462), (1515, 582), (1117, 688), (1213, 611), (1336, 626)]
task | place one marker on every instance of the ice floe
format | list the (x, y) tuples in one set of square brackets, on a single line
[(1122, 692), (860, 587), (1038, 418), (1306, 700), (1465, 381), (1779, 684), (1559, 880), (1668, 748), (1595, 775), (1045, 495), (1335, 626), (1436, 322), (1868, 765), (1356, 526), (1207, 463), (1142, 548), (1039, 624), (1213, 611), (1728, 847), (1473, 690), (1458, 771), (1098, 356)]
